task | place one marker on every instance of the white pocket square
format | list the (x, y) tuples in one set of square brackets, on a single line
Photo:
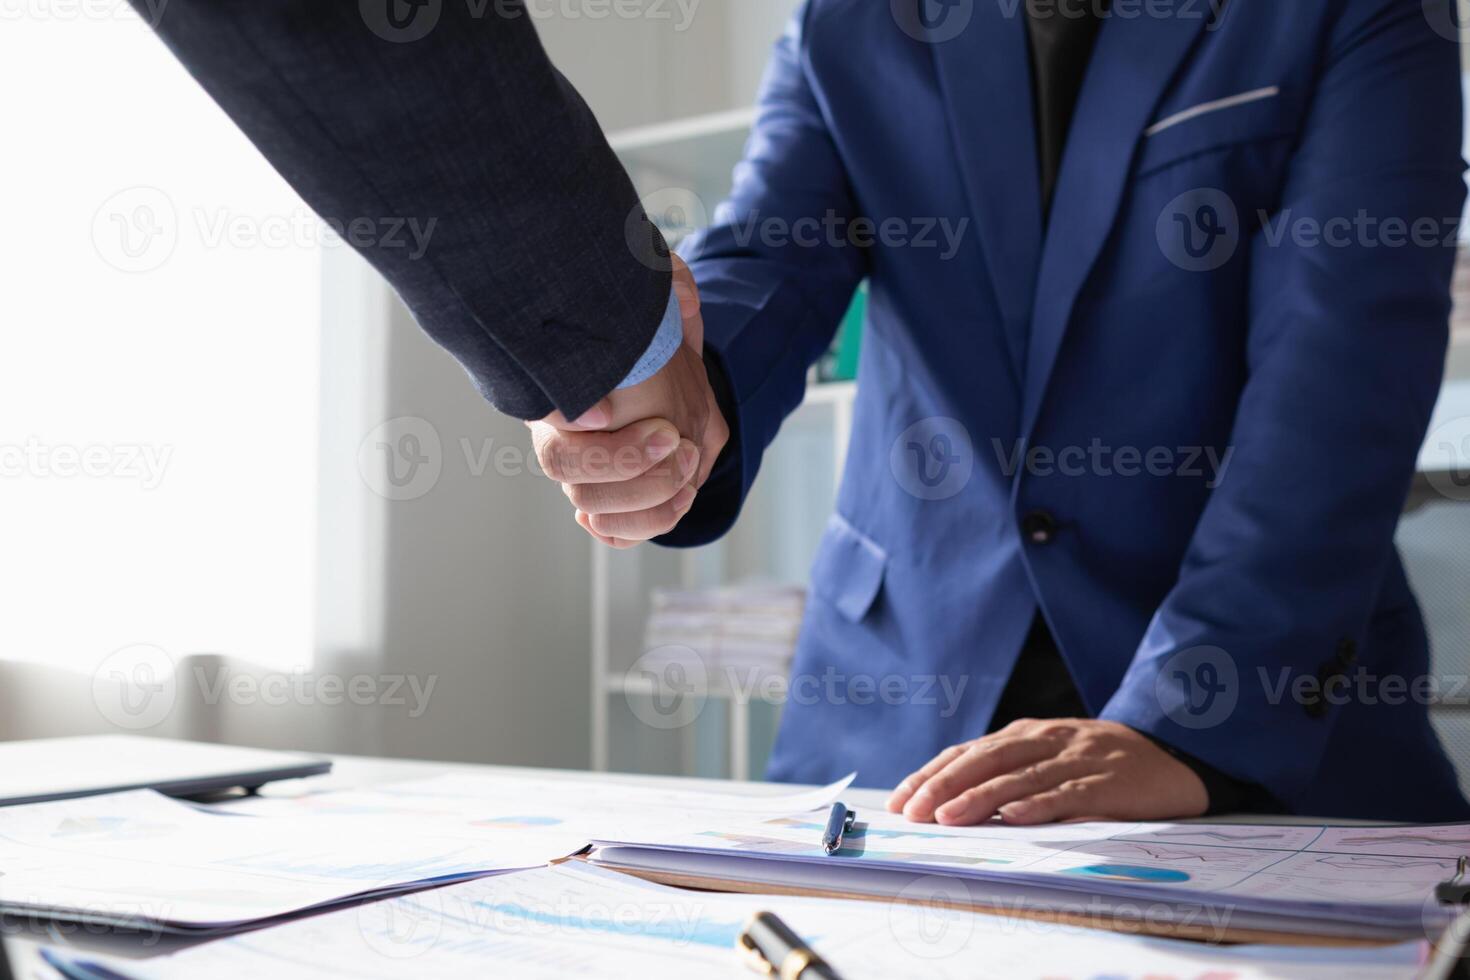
[(1215, 105)]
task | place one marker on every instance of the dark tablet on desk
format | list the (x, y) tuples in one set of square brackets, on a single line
[(38, 770)]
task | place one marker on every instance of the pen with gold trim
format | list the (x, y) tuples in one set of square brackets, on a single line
[(770, 947)]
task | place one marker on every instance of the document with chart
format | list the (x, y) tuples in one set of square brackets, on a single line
[(139, 858), (486, 804), (572, 920), (143, 860), (1374, 876)]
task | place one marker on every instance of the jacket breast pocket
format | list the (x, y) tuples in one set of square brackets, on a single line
[(848, 571), (1252, 117)]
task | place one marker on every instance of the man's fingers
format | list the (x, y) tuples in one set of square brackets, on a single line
[(911, 783), (603, 457), (980, 803), (716, 437), (906, 789), (1073, 798), (633, 463), (657, 486), (586, 524), (983, 760), (645, 524), (687, 293)]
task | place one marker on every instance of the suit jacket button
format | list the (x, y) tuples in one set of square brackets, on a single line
[(1039, 527)]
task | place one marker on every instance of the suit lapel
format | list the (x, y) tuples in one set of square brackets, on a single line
[(985, 78), (1132, 65)]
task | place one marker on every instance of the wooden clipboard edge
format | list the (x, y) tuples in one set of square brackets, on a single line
[(1212, 935)]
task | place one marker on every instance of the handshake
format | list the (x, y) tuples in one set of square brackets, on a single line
[(633, 463)]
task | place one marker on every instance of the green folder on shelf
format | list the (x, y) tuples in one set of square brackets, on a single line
[(841, 362)]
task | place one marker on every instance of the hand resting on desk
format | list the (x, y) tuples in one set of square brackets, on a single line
[(1033, 772)]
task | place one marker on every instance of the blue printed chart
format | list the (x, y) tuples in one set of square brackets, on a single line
[(576, 921)]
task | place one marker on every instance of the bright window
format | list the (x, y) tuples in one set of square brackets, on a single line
[(159, 328)]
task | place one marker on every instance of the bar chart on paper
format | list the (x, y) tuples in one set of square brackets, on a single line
[(579, 921)]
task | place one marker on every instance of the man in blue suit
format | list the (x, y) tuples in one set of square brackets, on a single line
[(1115, 536)]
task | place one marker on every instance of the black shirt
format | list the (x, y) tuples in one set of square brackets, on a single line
[(1061, 35)]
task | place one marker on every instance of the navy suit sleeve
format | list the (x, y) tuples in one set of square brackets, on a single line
[(542, 275), (1344, 356), (772, 287)]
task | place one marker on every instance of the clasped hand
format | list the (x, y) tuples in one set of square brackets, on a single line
[(633, 464)]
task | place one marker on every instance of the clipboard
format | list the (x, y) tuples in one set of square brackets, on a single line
[(1452, 951)]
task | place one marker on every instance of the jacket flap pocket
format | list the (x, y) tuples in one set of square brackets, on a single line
[(849, 569), (1248, 117)]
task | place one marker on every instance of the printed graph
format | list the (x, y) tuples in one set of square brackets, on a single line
[(658, 925), (406, 870), (1383, 862), (1461, 841), (1247, 836), (1131, 872), (110, 829), (1179, 854), (520, 822)]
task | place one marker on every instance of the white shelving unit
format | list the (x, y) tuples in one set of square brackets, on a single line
[(700, 146), (682, 168)]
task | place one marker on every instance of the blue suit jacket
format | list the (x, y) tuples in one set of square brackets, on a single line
[(1220, 411)]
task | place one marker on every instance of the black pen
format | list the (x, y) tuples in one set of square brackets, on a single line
[(839, 822), (770, 947)]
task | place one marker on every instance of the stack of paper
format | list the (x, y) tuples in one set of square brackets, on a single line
[(740, 634), (142, 860), (1307, 879), (145, 861), (573, 921), (479, 807)]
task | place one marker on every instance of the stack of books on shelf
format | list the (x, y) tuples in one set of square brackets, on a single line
[(739, 636)]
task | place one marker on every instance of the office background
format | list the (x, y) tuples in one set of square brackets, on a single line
[(234, 469)]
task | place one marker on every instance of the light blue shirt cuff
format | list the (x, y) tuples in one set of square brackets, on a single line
[(665, 343)]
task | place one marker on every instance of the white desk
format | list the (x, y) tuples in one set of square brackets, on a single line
[(347, 772), (356, 771)]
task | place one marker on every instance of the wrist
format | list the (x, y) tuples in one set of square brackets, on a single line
[(1224, 793), (665, 344)]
